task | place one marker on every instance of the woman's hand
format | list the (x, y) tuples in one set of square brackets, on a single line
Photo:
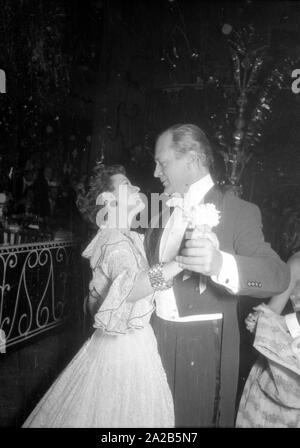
[(251, 321)]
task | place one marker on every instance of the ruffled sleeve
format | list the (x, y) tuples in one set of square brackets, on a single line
[(281, 379), (119, 261), (273, 340)]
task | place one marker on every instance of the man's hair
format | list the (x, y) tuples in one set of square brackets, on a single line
[(189, 137)]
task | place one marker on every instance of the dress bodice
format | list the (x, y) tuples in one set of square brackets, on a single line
[(116, 259)]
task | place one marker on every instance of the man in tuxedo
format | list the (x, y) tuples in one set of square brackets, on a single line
[(196, 320)]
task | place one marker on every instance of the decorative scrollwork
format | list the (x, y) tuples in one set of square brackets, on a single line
[(44, 253), (33, 255), (61, 252), (35, 286), (12, 260), (22, 318)]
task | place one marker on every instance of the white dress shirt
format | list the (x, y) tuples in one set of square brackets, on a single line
[(173, 233)]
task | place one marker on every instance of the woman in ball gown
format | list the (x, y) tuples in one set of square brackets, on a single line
[(271, 397), (116, 379)]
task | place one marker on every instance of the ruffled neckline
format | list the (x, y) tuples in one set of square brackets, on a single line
[(136, 238)]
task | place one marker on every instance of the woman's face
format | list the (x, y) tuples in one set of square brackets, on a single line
[(127, 195)]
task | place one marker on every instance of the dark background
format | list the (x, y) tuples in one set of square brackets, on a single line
[(94, 78)]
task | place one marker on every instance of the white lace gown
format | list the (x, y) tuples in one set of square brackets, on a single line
[(116, 380)]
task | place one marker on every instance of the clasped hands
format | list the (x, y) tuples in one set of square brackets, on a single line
[(201, 253), (252, 318)]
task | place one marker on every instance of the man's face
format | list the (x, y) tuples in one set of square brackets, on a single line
[(173, 172)]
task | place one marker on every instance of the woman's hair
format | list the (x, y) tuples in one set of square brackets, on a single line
[(99, 182)]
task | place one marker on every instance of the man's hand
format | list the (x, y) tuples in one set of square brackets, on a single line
[(200, 255)]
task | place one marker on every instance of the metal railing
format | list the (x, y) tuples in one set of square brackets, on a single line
[(39, 286)]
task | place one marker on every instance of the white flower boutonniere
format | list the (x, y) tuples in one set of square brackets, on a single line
[(201, 218), (201, 215)]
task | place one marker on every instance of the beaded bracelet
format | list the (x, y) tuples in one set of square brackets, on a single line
[(157, 279)]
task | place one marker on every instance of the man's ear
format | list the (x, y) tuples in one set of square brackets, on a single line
[(199, 158), (193, 158)]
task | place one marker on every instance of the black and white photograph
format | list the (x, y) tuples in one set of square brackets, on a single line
[(149, 217)]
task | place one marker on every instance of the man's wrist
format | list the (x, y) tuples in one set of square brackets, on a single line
[(228, 275)]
